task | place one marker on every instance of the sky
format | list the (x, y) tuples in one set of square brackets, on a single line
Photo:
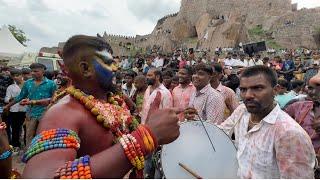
[(47, 22)]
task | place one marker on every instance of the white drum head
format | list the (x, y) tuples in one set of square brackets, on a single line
[(193, 149)]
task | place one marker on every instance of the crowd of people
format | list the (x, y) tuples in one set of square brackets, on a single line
[(107, 115)]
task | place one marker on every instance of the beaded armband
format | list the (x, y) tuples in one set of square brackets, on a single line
[(77, 169), (52, 139), (6, 154)]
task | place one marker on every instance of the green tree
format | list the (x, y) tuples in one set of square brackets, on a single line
[(18, 34)]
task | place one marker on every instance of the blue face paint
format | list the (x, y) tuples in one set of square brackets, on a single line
[(104, 76)]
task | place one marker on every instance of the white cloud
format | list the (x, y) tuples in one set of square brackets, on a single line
[(307, 3), (47, 22)]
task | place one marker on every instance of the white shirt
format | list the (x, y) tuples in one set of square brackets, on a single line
[(254, 63), (229, 62), (126, 91), (240, 63), (149, 98), (158, 62), (277, 147), (13, 91), (192, 63)]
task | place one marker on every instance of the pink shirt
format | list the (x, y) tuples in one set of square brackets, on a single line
[(181, 97), (209, 103), (182, 64), (275, 148), (160, 98), (230, 99), (302, 112)]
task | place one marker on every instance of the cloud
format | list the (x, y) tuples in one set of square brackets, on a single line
[(94, 13), (37, 6), (307, 3), (47, 22), (152, 10)]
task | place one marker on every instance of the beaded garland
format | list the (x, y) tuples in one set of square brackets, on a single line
[(114, 115), (77, 169), (52, 139), (6, 154)]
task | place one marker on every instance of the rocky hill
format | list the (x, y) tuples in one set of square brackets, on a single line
[(207, 24)]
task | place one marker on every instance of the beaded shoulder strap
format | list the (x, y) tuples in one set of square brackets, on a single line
[(52, 139)]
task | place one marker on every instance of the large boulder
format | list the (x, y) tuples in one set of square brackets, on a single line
[(183, 29), (202, 24)]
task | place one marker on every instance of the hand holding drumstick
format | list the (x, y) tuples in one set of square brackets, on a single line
[(190, 113)]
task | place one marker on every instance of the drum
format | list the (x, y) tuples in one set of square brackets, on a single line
[(192, 155)]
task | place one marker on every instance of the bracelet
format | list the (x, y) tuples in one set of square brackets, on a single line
[(6, 154), (77, 169), (134, 153), (132, 150), (146, 138), (138, 145), (155, 141), (33, 102)]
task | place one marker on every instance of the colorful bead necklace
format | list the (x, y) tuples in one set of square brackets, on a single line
[(114, 115)]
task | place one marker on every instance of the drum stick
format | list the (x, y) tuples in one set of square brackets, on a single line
[(190, 171), (205, 129)]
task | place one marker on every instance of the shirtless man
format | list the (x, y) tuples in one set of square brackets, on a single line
[(87, 60), (5, 161)]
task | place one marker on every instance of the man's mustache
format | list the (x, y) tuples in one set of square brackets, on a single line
[(251, 102)]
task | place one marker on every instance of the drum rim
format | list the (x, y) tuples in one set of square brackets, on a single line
[(213, 125), (191, 121)]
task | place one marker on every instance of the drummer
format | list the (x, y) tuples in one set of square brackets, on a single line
[(270, 143), (206, 101)]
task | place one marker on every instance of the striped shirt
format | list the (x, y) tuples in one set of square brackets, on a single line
[(209, 103)]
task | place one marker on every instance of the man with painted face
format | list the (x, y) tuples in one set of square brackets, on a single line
[(270, 144), (83, 124)]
